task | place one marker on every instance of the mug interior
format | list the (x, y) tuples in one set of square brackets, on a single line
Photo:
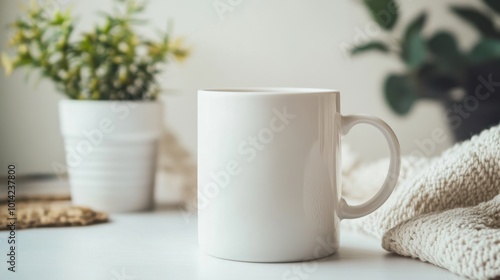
[(271, 90)]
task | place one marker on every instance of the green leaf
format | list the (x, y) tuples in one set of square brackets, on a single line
[(414, 49), (446, 53), (486, 49), (400, 93), (442, 43), (384, 12), (481, 22), (493, 4), (371, 46)]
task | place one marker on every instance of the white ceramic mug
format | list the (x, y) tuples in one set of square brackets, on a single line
[(269, 176)]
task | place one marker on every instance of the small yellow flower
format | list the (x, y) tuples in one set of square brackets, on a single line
[(122, 74), (7, 64), (15, 39), (22, 49), (178, 49), (33, 5), (154, 50), (134, 41), (117, 59)]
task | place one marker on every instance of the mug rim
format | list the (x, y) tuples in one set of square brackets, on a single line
[(270, 90)]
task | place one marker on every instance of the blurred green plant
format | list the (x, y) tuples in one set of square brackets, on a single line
[(111, 62), (435, 66)]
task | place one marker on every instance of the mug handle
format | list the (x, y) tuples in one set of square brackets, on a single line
[(351, 212)]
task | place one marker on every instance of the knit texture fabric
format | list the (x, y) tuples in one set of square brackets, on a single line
[(444, 210)]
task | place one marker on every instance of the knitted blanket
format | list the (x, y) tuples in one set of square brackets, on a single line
[(444, 210)]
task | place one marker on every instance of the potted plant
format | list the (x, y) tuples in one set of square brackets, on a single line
[(465, 82), (111, 120)]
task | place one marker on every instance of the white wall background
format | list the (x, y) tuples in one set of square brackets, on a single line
[(294, 43)]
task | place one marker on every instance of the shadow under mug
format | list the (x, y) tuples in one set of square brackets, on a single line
[(269, 173)]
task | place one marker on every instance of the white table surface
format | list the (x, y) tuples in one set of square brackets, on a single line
[(163, 245)]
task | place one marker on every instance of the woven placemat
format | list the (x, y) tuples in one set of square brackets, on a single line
[(48, 211)]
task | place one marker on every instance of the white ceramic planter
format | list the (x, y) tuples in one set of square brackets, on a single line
[(111, 149)]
